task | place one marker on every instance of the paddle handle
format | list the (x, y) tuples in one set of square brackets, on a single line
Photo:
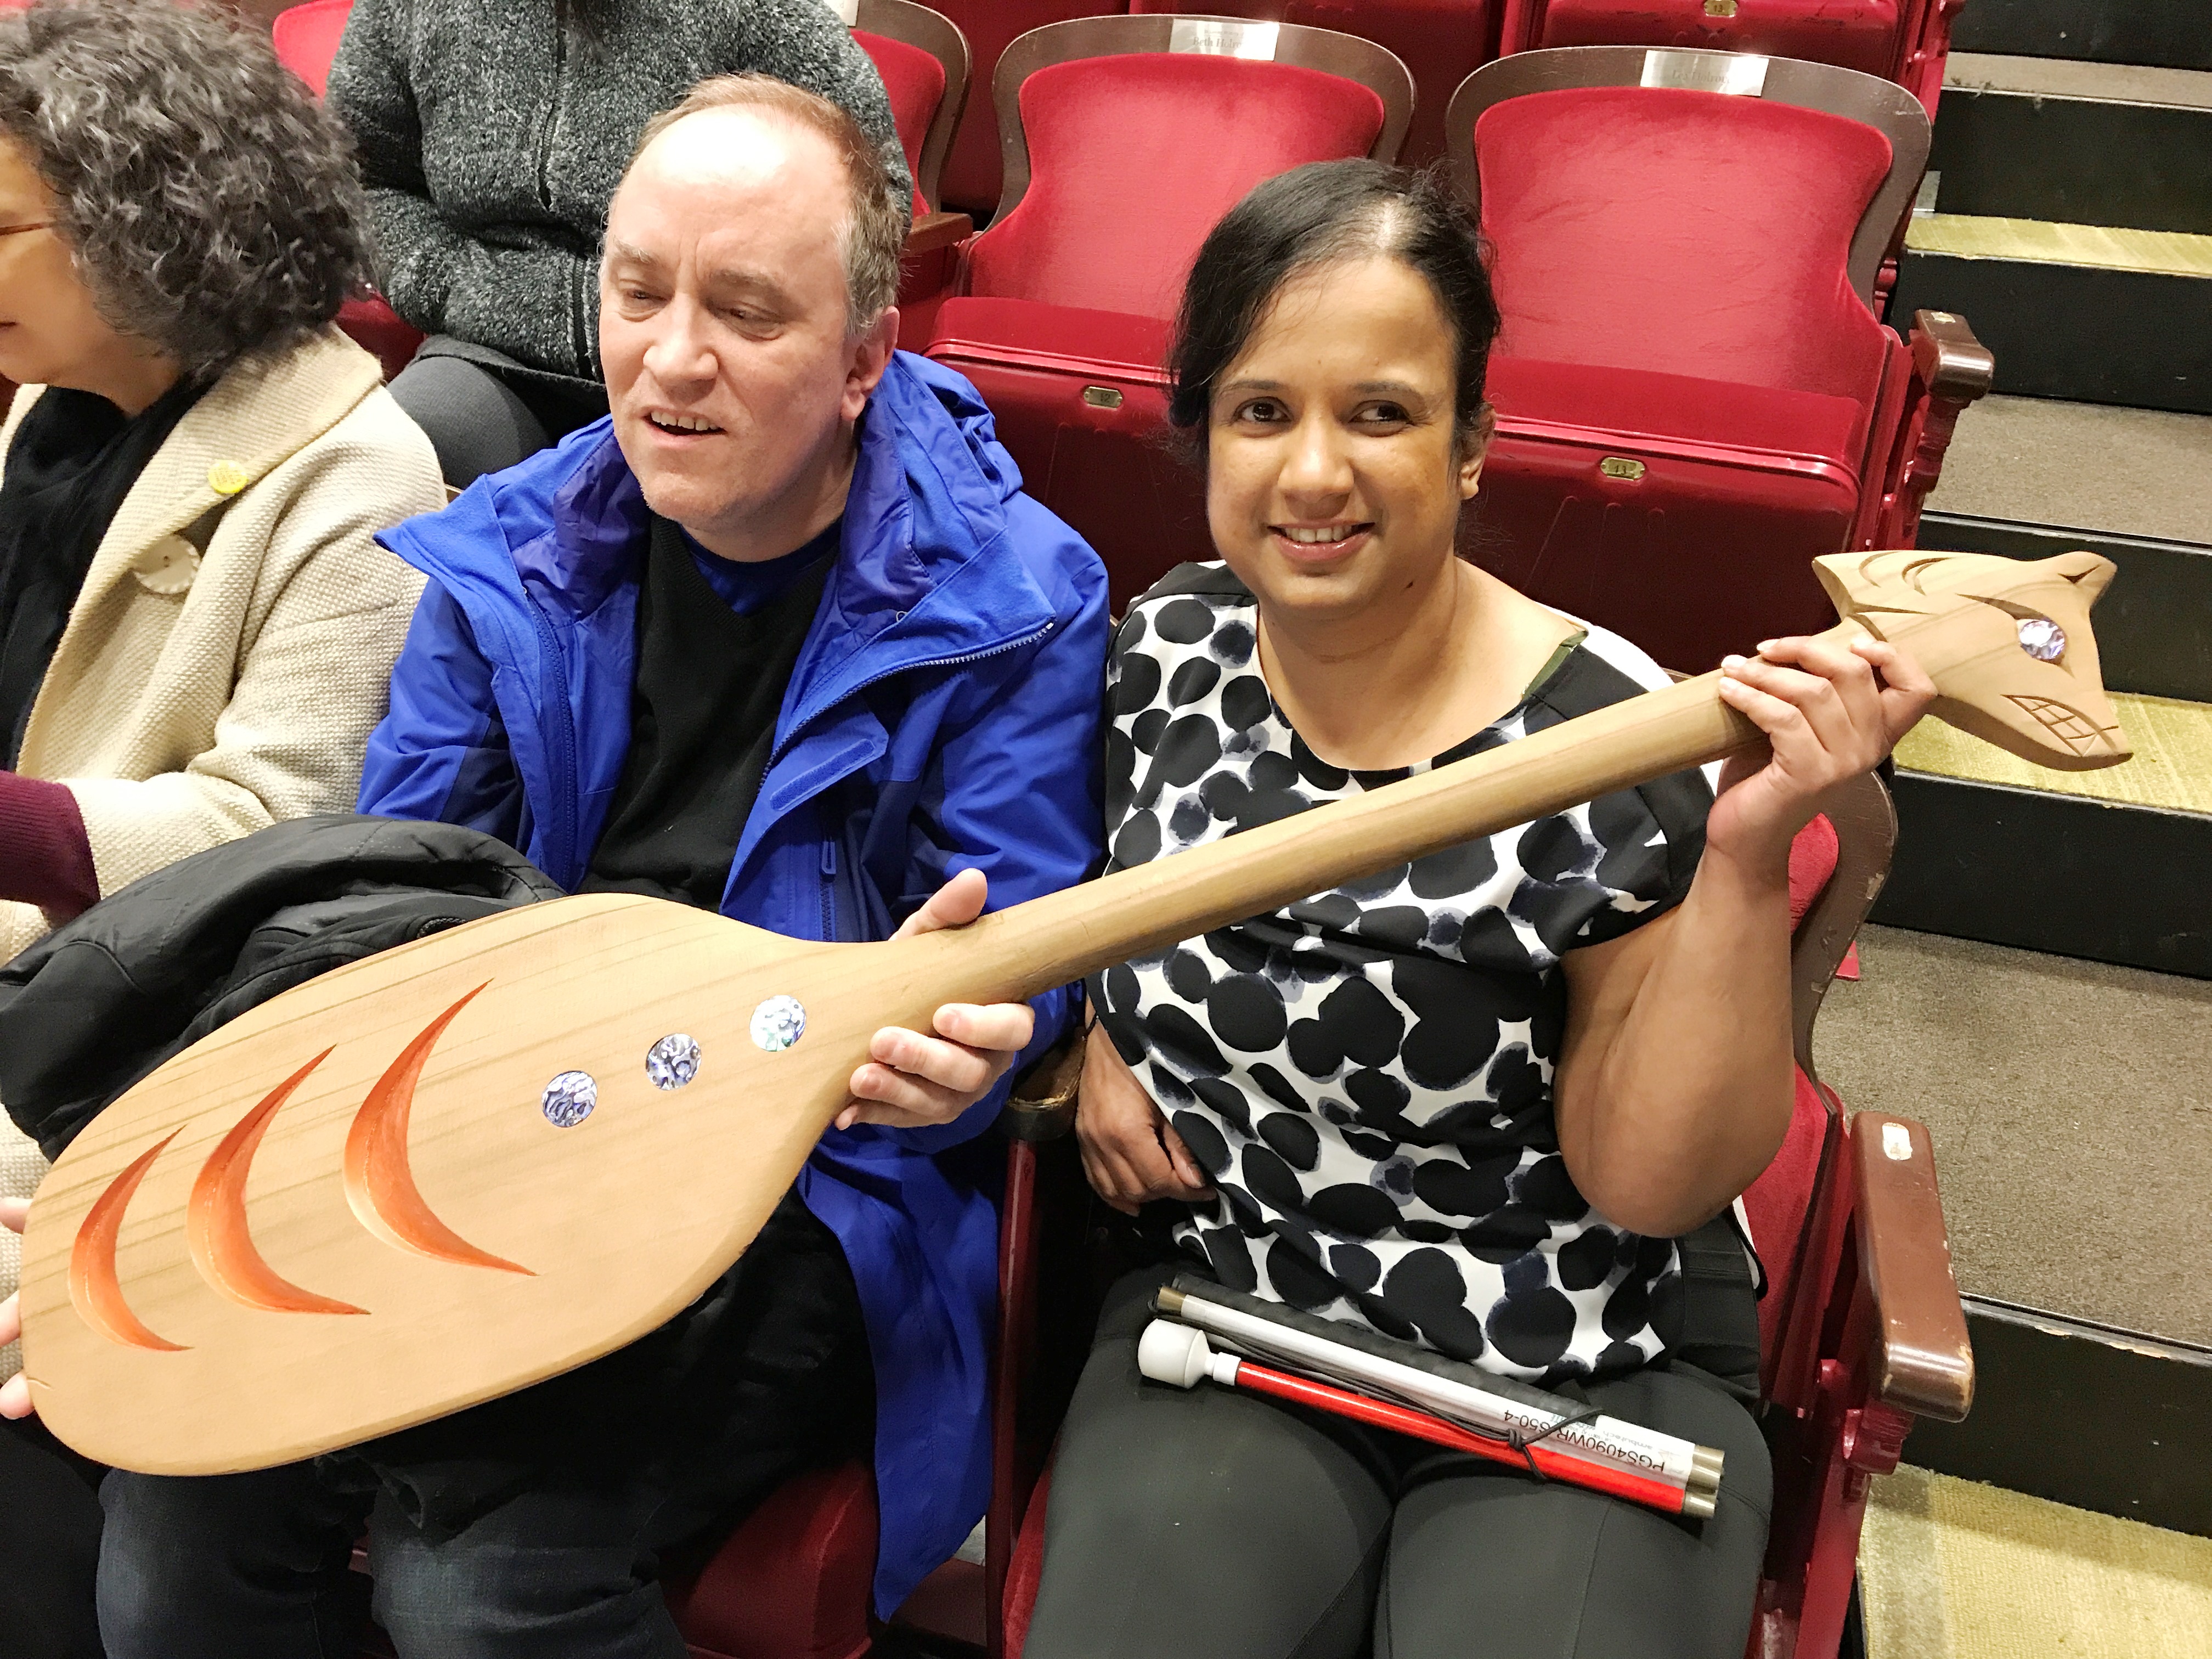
[(1065, 936)]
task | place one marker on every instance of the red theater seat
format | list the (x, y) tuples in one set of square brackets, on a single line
[(1441, 41), (1694, 396), (1861, 1328), (971, 173), (1907, 42), (306, 39), (1062, 321), (923, 59)]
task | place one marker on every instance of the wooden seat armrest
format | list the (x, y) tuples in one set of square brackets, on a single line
[(1950, 361), (1042, 1105), (1922, 1361), (936, 230)]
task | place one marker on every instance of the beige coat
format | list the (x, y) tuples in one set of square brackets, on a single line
[(232, 648)]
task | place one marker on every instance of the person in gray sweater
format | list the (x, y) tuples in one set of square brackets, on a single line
[(491, 135)]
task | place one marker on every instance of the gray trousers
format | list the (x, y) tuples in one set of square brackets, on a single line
[(1216, 1523), (484, 412)]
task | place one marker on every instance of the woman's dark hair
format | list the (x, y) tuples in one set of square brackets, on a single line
[(211, 205), (1311, 215)]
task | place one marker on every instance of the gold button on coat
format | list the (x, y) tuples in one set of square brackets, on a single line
[(227, 477)]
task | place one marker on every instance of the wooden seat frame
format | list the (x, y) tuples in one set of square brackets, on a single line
[(934, 33)]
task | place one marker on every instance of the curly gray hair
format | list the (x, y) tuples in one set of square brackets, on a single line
[(211, 205)]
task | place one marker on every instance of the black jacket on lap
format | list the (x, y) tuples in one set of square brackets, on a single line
[(99, 1003)]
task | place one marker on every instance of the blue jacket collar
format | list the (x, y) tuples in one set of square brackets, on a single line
[(914, 581)]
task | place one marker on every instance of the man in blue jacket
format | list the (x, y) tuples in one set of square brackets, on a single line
[(784, 639)]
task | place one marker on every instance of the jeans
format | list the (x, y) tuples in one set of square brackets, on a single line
[(578, 1483), (256, 1566)]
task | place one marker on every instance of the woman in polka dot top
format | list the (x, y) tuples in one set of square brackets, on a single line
[(1473, 1102)]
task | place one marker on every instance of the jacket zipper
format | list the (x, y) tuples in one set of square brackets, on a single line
[(828, 865), (552, 105), (560, 752), (999, 650)]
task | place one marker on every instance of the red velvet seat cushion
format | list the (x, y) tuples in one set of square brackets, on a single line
[(1441, 41), (915, 81), (1026, 1568), (1685, 233), (1858, 34), (1051, 337), (307, 40), (792, 1582), (1682, 513), (383, 333), (1776, 1204), (1682, 410), (1116, 206)]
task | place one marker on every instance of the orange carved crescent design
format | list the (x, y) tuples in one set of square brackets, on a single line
[(379, 1185), (93, 1287), (222, 1240)]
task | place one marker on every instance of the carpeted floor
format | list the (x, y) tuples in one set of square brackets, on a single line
[(2071, 1107), (2039, 460), (2172, 765), (1952, 1570)]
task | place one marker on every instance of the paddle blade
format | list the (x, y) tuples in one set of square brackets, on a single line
[(2007, 641), (432, 1177)]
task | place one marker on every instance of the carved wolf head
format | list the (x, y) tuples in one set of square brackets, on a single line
[(2006, 640)]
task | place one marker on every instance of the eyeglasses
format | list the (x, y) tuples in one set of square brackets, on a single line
[(17, 230)]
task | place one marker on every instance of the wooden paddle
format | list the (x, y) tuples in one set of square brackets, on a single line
[(448, 1171)]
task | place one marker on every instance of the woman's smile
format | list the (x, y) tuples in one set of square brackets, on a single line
[(1321, 545)]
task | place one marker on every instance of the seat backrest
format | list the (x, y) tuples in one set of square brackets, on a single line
[(1874, 37), (1096, 114), (1442, 41), (1837, 866), (306, 39), (1702, 214), (971, 171), (923, 59)]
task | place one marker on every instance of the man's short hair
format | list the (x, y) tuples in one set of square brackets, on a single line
[(878, 210)]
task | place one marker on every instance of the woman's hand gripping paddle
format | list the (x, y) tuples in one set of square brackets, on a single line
[(448, 1171)]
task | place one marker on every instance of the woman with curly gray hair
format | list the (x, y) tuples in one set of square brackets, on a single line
[(196, 630), (196, 627)]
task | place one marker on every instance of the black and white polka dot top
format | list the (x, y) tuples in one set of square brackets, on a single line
[(1367, 1074)]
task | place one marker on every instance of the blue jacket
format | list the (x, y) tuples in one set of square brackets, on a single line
[(944, 713)]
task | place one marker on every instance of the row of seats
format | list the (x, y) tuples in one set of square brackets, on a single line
[(1696, 393), (1705, 417), (1906, 41)]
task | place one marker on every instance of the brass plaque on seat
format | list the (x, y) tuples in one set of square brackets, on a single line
[(1621, 467), (1101, 397), (1720, 8)]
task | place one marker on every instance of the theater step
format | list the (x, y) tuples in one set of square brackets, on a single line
[(2112, 870), (2089, 313), (1950, 1569), (2165, 32), (2071, 1113), (2075, 144)]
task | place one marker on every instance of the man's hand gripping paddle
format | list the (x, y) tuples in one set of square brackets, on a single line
[(450, 1170)]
